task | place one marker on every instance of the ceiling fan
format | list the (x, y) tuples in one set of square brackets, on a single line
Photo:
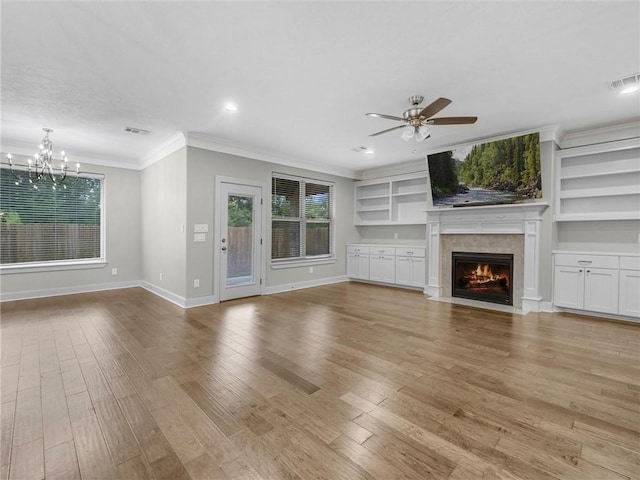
[(416, 120)]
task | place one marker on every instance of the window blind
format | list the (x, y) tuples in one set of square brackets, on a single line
[(302, 223), (45, 223)]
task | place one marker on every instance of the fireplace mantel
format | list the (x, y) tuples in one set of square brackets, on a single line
[(519, 219)]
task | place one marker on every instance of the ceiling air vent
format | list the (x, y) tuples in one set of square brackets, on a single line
[(625, 82), (136, 131)]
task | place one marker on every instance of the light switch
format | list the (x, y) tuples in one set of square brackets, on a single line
[(200, 228), (199, 237)]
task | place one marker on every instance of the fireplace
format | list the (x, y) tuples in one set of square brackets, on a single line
[(482, 276)]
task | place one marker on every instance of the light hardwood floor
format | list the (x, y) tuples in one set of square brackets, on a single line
[(346, 381)]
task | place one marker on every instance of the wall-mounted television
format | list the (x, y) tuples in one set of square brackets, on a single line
[(502, 171)]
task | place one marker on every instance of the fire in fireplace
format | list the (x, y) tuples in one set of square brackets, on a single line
[(482, 276)]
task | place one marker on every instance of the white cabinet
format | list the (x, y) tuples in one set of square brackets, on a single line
[(601, 290), (382, 264), (603, 283), (629, 286), (358, 262), (568, 290), (387, 264), (396, 200), (599, 182), (410, 266)]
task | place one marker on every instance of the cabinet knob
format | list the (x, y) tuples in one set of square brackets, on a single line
[(580, 270)]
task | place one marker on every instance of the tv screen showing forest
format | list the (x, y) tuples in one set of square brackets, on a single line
[(504, 171)]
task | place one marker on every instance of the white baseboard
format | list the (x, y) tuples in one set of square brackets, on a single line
[(287, 287), (177, 299), (610, 316), (166, 294), (201, 301), (56, 292), (546, 307)]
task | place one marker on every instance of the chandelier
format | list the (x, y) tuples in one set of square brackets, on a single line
[(42, 165)]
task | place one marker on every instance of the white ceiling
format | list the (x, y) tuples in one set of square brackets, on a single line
[(304, 74)]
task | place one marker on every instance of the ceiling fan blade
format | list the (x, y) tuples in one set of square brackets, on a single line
[(382, 115), (433, 108), (387, 130), (452, 120)]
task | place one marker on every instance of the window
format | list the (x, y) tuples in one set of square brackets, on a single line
[(43, 224), (301, 219)]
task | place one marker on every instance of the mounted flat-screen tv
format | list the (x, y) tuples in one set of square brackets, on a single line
[(503, 171)]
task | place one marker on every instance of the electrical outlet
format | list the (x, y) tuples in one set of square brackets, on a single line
[(310, 269), (161, 275), (196, 283), (114, 271), (395, 236)]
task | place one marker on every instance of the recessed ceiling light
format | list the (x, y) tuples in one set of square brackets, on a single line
[(369, 152), (230, 107)]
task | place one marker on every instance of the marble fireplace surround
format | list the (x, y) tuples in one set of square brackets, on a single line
[(511, 228), (491, 243)]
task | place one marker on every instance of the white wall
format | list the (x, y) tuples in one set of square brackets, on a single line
[(202, 168), (123, 241), (385, 234), (163, 188)]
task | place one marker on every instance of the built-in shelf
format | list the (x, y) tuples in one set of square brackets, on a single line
[(413, 194), (585, 217), (373, 197), (397, 200), (600, 174), (602, 192), (373, 209), (599, 182)]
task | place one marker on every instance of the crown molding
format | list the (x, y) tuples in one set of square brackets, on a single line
[(166, 148), (600, 135), (27, 150), (394, 169), (207, 142)]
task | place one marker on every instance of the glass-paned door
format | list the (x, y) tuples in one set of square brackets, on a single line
[(240, 252)]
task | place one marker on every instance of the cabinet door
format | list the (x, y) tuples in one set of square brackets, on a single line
[(418, 273), (382, 268), (389, 269), (601, 290), (568, 287), (352, 265), (363, 267), (629, 293), (403, 270)]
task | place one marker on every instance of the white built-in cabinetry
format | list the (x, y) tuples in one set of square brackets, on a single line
[(358, 262), (599, 182), (629, 286), (410, 266), (391, 264), (396, 200), (595, 282)]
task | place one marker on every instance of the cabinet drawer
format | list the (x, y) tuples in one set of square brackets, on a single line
[(410, 252), (629, 263), (357, 249), (379, 250), (585, 261)]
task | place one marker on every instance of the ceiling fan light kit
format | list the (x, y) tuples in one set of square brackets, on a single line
[(417, 119)]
